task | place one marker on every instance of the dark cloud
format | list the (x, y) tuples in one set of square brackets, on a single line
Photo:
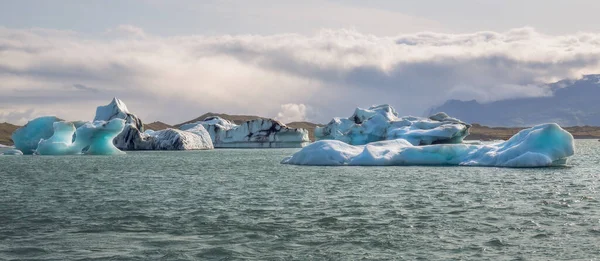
[(85, 88)]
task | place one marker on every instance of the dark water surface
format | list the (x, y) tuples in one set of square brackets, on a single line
[(244, 205)]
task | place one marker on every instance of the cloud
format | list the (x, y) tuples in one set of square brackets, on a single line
[(84, 88), (292, 112), (127, 30), (17, 117), (174, 79)]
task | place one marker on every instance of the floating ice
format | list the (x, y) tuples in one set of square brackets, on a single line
[(61, 142), (133, 136), (98, 136), (541, 146), (26, 138), (259, 133), (94, 138), (382, 123), (12, 152), (172, 139)]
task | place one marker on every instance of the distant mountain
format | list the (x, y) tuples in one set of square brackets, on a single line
[(573, 103), (157, 125), (6, 130)]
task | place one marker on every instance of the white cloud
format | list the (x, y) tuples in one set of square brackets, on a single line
[(174, 79), (17, 116), (128, 30), (292, 112)]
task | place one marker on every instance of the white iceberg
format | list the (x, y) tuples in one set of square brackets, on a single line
[(541, 146), (26, 138), (172, 139), (133, 136), (93, 138), (259, 133), (382, 123), (12, 152)]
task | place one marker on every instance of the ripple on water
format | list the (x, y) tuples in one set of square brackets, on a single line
[(243, 204)]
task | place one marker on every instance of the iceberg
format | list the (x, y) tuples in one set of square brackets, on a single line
[(173, 139), (133, 136), (259, 133), (540, 146), (93, 138), (12, 152), (26, 138), (381, 122), (98, 137), (61, 142)]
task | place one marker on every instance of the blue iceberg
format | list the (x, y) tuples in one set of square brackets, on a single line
[(93, 138), (540, 146), (26, 138)]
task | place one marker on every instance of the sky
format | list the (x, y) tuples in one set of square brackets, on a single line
[(292, 60)]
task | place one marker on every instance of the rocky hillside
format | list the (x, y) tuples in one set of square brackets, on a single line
[(6, 130), (157, 125)]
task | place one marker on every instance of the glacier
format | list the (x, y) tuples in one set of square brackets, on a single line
[(133, 136), (381, 122), (259, 133), (92, 138), (540, 146)]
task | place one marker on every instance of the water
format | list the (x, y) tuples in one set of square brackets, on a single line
[(242, 204)]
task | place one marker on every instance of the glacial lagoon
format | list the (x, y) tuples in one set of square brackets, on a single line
[(231, 204)]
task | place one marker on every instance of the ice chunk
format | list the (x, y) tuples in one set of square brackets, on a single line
[(132, 136), (172, 139), (541, 146), (98, 137), (259, 133), (94, 138), (382, 123), (26, 138), (12, 152), (218, 122), (61, 142)]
